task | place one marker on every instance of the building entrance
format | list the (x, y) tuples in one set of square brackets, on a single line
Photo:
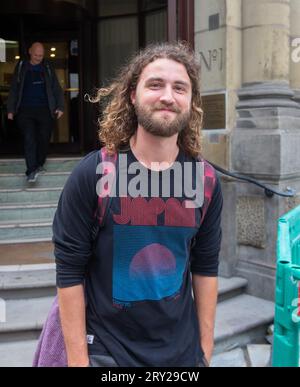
[(87, 42), (63, 55)]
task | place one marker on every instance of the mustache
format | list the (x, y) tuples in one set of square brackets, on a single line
[(171, 108)]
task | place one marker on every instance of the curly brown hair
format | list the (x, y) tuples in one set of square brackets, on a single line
[(119, 121)]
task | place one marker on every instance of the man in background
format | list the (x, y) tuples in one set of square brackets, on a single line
[(35, 99)]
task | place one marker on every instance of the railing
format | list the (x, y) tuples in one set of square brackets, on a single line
[(269, 192)]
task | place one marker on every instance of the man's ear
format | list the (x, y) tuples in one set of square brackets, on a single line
[(133, 96)]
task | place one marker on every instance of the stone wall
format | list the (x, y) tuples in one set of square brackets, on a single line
[(262, 134)]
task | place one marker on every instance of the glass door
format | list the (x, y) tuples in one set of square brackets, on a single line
[(124, 27), (64, 58)]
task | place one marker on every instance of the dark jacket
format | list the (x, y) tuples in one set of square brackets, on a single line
[(54, 91)]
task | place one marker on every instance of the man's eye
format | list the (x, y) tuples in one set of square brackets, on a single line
[(180, 89), (155, 85)]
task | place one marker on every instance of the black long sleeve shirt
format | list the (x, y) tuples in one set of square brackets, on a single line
[(137, 274)]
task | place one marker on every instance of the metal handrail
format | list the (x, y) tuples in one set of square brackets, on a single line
[(269, 192)]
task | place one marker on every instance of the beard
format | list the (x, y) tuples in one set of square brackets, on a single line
[(164, 126)]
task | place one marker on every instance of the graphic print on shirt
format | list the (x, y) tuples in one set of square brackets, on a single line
[(150, 259)]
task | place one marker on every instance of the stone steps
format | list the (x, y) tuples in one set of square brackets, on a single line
[(253, 355), (53, 164), (25, 212), (29, 195), (21, 231), (24, 318), (18, 181), (27, 281), (27, 209), (28, 293), (17, 354), (231, 287), (242, 320), (20, 354), (21, 286)]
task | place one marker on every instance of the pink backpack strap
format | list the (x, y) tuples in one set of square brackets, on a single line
[(210, 180), (104, 201)]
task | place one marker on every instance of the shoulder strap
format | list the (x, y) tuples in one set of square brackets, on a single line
[(210, 180), (104, 202)]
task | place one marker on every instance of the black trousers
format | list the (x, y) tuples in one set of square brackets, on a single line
[(36, 124)]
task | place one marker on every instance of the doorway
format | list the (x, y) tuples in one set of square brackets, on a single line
[(58, 25), (63, 56), (87, 42), (124, 29)]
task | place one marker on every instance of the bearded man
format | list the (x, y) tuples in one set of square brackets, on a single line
[(145, 292)]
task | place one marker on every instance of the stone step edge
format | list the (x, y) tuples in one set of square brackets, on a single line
[(26, 223), (37, 189), (231, 284), (29, 240), (246, 326), (26, 268), (49, 159), (44, 174), (20, 206), (33, 316)]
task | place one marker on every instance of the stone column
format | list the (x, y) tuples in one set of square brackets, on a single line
[(220, 51), (295, 49), (266, 142), (266, 29)]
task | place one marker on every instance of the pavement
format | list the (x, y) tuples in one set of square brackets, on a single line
[(26, 253), (250, 356), (253, 355)]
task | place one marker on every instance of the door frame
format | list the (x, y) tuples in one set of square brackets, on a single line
[(181, 21)]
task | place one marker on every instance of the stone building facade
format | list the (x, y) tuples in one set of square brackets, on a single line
[(250, 55)]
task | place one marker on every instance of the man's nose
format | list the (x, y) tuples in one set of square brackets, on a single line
[(167, 95)]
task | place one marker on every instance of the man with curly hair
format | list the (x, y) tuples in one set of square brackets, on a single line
[(144, 292)]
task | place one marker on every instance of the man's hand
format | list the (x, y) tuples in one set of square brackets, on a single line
[(79, 365), (10, 116), (205, 294), (72, 316), (58, 113), (207, 349)]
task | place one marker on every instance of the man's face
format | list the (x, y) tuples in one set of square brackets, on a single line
[(162, 98), (36, 54)]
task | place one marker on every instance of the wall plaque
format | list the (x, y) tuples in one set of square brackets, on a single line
[(214, 107)]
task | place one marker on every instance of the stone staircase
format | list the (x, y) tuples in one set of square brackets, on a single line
[(28, 293), (27, 290), (26, 210)]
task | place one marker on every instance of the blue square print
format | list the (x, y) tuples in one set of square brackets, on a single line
[(149, 261)]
